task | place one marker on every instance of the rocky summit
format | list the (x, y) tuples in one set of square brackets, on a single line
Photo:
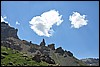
[(34, 52)]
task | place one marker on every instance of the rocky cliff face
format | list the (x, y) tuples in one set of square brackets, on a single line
[(7, 31), (39, 52)]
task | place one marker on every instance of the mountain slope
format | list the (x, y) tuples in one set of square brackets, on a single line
[(38, 54), (11, 57)]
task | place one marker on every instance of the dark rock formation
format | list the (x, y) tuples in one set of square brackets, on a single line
[(70, 54), (42, 43), (33, 48), (11, 44), (8, 31), (37, 58), (49, 54), (47, 59), (51, 46), (59, 50)]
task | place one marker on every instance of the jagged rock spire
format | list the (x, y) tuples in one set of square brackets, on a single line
[(42, 43)]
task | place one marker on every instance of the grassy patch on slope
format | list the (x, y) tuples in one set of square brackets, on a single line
[(15, 58)]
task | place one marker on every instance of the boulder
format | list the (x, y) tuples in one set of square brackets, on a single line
[(47, 59), (38, 53), (36, 58), (24, 55)]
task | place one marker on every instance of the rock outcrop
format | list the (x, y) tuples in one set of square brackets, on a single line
[(70, 54), (8, 31), (51, 46), (39, 53), (59, 50), (42, 43), (38, 57), (47, 59)]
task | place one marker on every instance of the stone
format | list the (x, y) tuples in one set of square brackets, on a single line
[(24, 55), (65, 53), (59, 50), (42, 43), (47, 59), (26, 42), (38, 52), (32, 50), (69, 53), (7, 31), (36, 58), (4, 53), (46, 53), (11, 63), (51, 46)]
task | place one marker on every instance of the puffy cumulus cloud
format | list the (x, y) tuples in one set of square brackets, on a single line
[(17, 23), (3, 19), (77, 20), (42, 25)]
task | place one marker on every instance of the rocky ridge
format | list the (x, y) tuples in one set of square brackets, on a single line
[(40, 52), (91, 61)]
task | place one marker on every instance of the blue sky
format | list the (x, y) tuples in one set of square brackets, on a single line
[(83, 42)]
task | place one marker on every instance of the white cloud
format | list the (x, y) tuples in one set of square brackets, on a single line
[(3, 19), (42, 25), (17, 23), (77, 20)]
